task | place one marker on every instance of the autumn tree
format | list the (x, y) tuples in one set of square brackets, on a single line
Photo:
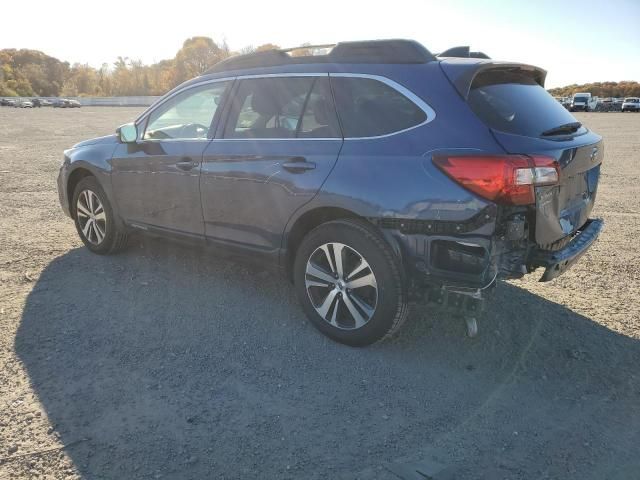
[(30, 72), (267, 46), (196, 56), (33, 73), (600, 89), (82, 80)]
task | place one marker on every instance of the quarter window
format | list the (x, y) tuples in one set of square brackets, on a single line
[(370, 108), (283, 107), (187, 115)]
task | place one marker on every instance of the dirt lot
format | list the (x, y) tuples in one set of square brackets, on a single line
[(167, 362)]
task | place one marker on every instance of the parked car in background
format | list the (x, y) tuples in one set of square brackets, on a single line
[(41, 102), (631, 104), (616, 104), (371, 174), (9, 102), (607, 105), (25, 104), (583, 102), (66, 103), (61, 103)]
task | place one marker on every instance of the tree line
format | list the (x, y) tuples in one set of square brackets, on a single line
[(29, 73), (600, 89)]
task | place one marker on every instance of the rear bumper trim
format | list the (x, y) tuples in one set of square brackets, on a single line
[(558, 262)]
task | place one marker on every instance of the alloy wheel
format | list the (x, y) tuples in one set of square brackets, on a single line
[(91, 217), (341, 285)]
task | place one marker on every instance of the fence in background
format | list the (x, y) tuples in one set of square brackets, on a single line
[(116, 101)]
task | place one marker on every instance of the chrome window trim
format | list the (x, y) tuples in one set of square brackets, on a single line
[(161, 101), (272, 139), (424, 106), (156, 140), (288, 74)]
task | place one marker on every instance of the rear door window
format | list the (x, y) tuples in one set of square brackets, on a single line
[(513, 102), (370, 108), (282, 107), (319, 119)]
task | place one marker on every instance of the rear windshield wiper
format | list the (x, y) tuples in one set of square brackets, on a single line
[(562, 129)]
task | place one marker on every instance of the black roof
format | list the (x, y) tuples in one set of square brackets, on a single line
[(369, 51)]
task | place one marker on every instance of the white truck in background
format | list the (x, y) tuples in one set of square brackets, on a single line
[(583, 102), (631, 104)]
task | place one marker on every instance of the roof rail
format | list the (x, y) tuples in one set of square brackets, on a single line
[(369, 51), (462, 52)]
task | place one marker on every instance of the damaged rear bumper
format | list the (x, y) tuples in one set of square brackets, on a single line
[(558, 262), (473, 262)]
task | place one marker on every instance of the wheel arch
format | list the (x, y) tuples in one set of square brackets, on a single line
[(314, 218), (74, 178), (304, 224)]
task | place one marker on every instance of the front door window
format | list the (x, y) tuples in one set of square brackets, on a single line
[(188, 115)]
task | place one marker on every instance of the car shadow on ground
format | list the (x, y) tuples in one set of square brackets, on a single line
[(167, 362)]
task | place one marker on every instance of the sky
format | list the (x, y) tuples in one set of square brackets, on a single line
[(575, 41)]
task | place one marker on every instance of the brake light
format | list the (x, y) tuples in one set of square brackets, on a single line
[(506, 179)]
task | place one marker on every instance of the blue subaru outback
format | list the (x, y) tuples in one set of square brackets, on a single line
[(371, 173)]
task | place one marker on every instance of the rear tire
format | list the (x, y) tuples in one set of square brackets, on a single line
[(350, 283), (94, 218)]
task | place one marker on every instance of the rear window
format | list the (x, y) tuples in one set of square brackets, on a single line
[(515, 103), (370, 108)]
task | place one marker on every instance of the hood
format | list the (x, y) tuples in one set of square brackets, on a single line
[(108, 139)]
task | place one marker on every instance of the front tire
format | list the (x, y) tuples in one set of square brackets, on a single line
[(350, 283), (94, 218)]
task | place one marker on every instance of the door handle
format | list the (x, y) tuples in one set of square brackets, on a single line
[(186, 163), (298, 165)]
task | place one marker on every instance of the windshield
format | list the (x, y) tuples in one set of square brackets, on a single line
[(632, 100), (515, 103)]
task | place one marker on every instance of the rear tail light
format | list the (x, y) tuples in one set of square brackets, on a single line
[(505, 179)]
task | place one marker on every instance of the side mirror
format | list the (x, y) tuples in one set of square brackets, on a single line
[(127, 133)]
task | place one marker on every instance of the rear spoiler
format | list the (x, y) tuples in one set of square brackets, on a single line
[(462, 72)]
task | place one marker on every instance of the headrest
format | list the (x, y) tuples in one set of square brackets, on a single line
[(264, 103)]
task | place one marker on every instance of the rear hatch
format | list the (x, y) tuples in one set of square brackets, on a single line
[(511, 100)]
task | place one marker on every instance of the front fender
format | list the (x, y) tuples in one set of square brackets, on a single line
[(94, 159)]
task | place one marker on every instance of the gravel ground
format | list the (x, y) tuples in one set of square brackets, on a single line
[(167, 362)]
